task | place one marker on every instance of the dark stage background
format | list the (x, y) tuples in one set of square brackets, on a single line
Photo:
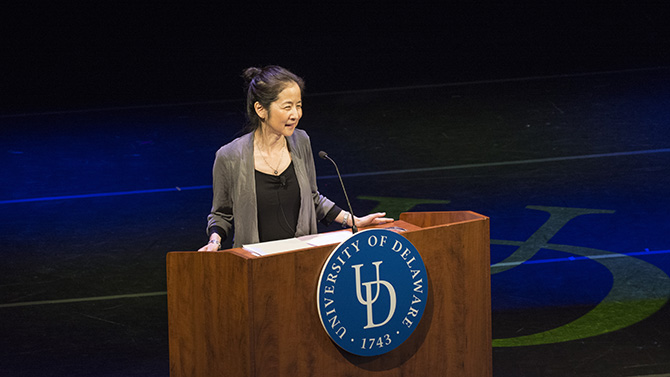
[(72, 54), (550, 118)]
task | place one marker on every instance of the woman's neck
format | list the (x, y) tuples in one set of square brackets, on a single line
[(269, 141)]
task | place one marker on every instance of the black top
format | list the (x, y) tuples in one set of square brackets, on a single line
[(278, 200)]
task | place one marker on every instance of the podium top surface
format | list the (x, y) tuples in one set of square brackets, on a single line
[(408, 222)]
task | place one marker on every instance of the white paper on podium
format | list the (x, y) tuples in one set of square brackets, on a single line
[(304, 242), (327, 238), (273, 247)]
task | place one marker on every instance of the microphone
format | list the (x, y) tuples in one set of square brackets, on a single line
[(324, 155)]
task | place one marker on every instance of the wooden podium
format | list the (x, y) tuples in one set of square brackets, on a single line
[(234, 314)]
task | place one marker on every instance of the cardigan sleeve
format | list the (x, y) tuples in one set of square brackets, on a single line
[(331, 215), (220, 219)]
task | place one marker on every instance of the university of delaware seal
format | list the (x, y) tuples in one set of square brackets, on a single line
[(372, 292)]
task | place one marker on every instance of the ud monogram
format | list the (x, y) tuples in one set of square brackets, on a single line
[(372, 292), (368, 293)]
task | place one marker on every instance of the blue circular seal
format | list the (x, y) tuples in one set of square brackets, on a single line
[(372, 292)]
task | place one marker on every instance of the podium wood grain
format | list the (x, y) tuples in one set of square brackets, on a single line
[(233, 314)]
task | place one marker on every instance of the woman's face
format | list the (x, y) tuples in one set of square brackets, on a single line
[(284, 114)]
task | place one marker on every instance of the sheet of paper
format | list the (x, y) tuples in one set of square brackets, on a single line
[(326, 238), (273, 247), (304, 242)]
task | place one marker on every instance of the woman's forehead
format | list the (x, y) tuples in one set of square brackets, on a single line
[(291, 93)]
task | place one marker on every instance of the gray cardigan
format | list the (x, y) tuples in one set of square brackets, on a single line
[(234, 200)]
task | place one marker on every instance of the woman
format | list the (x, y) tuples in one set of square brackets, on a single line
[(265, 181)]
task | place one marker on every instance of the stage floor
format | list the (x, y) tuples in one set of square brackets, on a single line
[(573, 172)]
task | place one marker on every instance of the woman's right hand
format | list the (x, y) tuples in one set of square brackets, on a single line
[(210, 247), (214, 243)]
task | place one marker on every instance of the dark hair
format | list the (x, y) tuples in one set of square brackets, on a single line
[(263, 85)]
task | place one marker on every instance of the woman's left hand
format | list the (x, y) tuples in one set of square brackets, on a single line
[(373, 219)]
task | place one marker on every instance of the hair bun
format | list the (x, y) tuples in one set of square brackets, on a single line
[(250, 73)]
